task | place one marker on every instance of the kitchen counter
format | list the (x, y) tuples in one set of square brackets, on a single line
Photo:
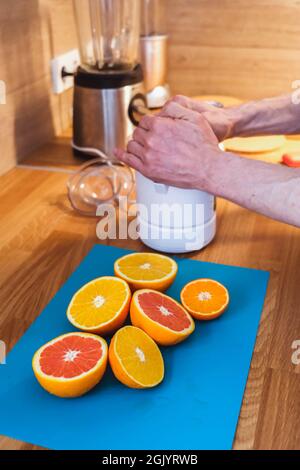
[(43, 240)]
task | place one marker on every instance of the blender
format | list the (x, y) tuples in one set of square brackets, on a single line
[(108, 85), (153, 52)]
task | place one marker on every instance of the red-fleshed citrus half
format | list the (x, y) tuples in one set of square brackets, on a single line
[(160, 316), (71, 365)]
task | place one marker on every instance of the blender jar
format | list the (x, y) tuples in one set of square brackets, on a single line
[(108, 33), (153, 48), (153, 17)]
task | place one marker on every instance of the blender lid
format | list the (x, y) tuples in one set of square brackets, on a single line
[(99, 182)]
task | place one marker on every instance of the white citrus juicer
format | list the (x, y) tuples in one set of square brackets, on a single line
[(174, 220)]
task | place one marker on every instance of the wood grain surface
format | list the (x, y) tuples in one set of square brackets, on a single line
[(32, 33), (243, 48), (43, 240)]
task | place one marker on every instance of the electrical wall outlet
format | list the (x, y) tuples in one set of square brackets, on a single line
[(69, 62)]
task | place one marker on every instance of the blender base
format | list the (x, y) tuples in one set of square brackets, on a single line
[(177, 240), (101, 104)]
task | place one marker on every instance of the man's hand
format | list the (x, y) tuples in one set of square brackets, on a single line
[(270, 116), (180, 148), (180, 152), (183, 151), (221, 120)]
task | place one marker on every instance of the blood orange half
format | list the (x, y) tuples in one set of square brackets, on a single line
[(71, 365), (164, 319)]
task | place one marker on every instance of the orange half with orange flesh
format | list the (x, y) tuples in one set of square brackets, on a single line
[(205, 299), (71, 365), (161, 317)]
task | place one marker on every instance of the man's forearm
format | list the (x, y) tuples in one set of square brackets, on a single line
[(269, 189), (266, 117)]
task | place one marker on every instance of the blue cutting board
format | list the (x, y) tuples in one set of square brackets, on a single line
[(197, 405)]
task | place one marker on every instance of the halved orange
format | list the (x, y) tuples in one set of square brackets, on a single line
[(101, 306), (160, 316), (70, 365), (204, 299), (146, 270), (135, 358)]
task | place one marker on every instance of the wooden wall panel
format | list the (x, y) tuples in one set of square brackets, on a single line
[(31, 33), (245, 48)]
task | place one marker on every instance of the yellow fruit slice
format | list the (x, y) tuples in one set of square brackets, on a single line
[(146, 270), (101, 306), (70, 365), (204, 299), (160, 316), (254, 144), (135, 358)]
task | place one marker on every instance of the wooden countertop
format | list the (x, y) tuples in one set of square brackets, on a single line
[(43, 240)]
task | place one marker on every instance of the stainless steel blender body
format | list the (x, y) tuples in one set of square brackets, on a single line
[(101, 118)]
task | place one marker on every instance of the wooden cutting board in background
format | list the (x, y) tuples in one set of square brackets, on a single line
[(259, 144)]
